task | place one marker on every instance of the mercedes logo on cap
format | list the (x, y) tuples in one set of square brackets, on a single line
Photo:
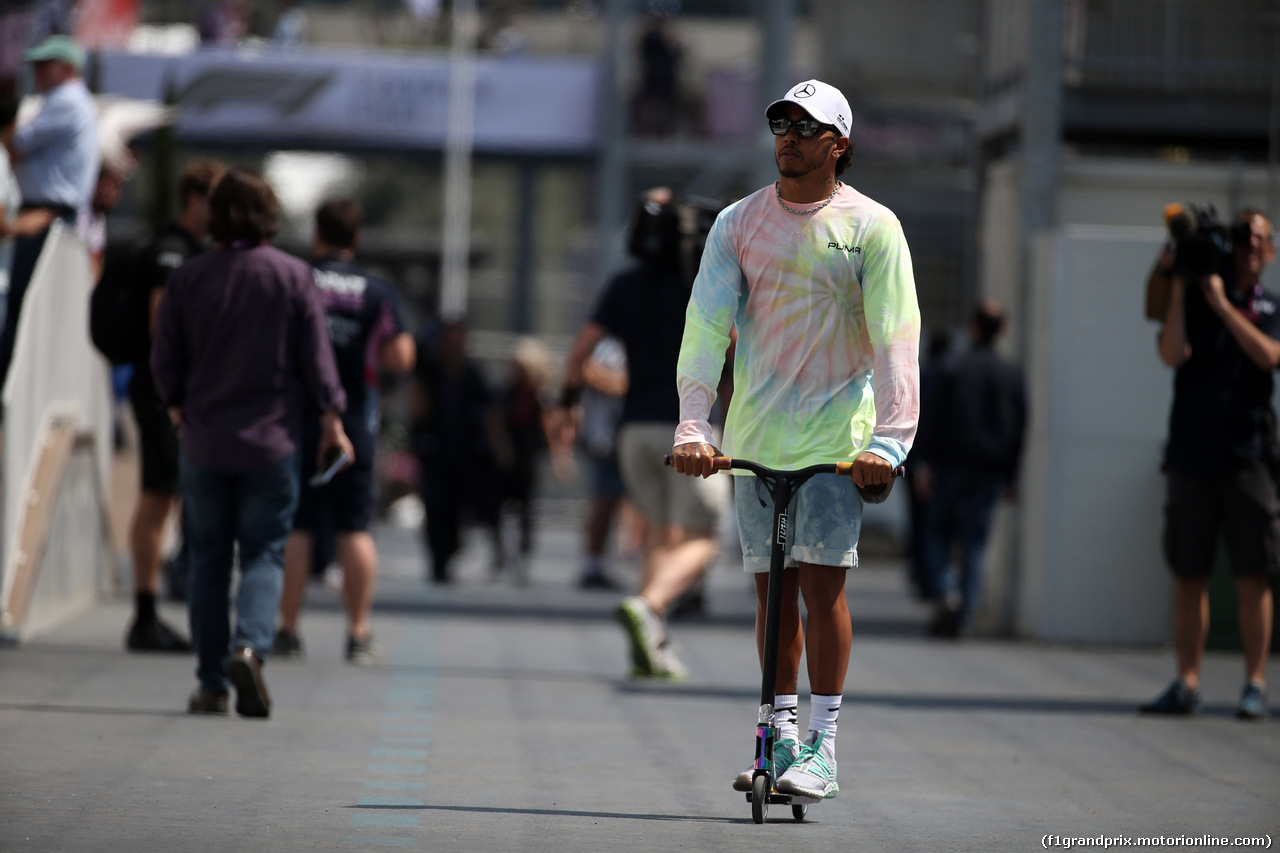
[(804, 91)]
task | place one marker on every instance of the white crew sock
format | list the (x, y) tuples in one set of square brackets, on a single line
[(823, 713), (786, 716)]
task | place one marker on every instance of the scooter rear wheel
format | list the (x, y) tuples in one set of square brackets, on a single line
[(799, 810)]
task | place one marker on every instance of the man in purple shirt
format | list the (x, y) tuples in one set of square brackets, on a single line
[(241, 357)]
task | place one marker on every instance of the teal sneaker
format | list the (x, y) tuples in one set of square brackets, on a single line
[(1253, 703), (784, 754), (814, 772)]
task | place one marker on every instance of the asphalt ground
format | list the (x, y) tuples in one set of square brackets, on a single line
[(502, 719)]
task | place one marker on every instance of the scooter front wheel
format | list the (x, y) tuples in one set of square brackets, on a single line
[(760, 786)]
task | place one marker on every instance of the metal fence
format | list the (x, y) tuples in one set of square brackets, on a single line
[(1226, 47)]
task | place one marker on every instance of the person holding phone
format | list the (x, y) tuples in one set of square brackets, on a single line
[(368, 337)]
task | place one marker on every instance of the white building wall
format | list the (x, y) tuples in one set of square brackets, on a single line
[(1083, 561)]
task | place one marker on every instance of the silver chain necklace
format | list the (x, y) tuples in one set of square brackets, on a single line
[(777, 189)]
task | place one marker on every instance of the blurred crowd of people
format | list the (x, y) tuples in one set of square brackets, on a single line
[(245, 400), (479, 445)]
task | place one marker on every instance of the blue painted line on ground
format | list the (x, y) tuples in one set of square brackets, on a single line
[(385, 820), (378, 768), (390, 802), (402, 734), (383, 752), (395, 785), (391, 739), (393, 726), (406, 715)]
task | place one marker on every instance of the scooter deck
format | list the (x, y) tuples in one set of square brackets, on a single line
[(788, 799)]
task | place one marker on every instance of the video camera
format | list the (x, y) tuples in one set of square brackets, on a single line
[(1202, 242), (674, 232)]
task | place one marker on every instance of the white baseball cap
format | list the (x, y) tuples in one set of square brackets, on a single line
[(820, 100)]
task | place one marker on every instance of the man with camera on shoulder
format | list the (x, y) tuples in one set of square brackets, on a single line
[(1221, 333)]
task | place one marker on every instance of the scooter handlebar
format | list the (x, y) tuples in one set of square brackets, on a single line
[(724, 463), (720, 463)]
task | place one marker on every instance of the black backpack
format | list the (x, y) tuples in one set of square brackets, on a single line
[(120, 311)]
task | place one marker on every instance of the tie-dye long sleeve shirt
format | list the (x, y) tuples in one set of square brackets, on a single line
[(828, 325)]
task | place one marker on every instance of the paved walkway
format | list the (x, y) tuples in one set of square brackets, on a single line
[(502, 720)]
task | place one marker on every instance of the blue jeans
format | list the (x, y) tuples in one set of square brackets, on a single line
[(959, 512), (222, 510)]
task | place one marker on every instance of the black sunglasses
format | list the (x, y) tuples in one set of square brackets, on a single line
[(806, 127)]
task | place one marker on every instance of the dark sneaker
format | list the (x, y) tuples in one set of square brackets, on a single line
[(1253, 703), (1177, 699), (155, 636), (363, 652), (596, 580), (245, 672), (204, 701), (287, 645), (946, 621)]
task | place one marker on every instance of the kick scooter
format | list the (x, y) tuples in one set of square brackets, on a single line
[(781, 485)]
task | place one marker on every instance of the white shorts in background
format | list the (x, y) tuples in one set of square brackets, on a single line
[(660, 493)]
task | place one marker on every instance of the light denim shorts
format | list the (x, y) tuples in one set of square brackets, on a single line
[(824, 521)]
